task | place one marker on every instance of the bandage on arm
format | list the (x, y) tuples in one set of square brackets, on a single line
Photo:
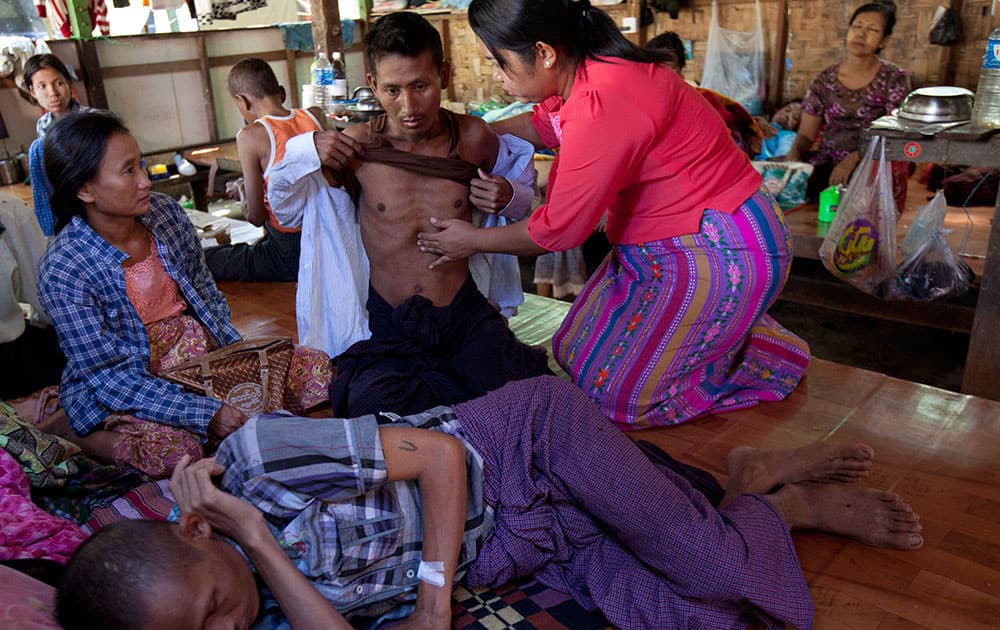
[(436, 461)]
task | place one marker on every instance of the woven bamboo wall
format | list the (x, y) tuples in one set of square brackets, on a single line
[(817, 29), (977, 22), (471, 79)]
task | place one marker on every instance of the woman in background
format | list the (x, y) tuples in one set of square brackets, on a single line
[(847, 97), (50, 84), (126, 285), (673, 325), (746, 130)]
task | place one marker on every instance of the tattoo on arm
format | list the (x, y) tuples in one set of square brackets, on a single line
[(407, 446)]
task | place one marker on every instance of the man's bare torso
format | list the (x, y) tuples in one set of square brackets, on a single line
[(396, 204)]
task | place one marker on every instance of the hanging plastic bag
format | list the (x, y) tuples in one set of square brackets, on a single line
[(946, 27), (930, 270), (734, 62), (860, 246), (786, 181)]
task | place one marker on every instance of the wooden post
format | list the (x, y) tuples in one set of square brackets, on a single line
[(78, 12), (950, 58), (776, 75), (326, 26), (293, 78), (206, 88), (982, 363), (93, 78)]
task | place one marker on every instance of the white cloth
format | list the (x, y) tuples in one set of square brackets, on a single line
[(21, 247), (333, 268)]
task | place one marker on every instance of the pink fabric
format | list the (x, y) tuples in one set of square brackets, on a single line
[(151, 291), (27, 531), (25, 603), (152, 447), (636, 140)]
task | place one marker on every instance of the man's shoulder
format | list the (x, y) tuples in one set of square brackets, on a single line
[(478, 140), (473, 126), (362, 132)]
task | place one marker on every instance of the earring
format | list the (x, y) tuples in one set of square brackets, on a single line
[(547, 64)]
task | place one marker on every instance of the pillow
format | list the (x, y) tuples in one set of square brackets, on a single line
[(25, 603)]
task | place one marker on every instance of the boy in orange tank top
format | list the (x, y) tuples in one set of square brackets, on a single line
[(261, 145)]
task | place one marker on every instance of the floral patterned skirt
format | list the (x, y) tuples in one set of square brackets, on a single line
[(669, 331), (155, 448)]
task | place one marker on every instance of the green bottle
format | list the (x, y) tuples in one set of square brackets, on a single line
[(829, 199)]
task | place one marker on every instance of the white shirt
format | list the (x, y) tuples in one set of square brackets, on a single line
[(21, 247), (333, 267)]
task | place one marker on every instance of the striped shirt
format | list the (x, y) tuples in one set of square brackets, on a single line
[(82, 288), (322, 487)]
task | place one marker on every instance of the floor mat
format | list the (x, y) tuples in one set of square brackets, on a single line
[(521, 605)]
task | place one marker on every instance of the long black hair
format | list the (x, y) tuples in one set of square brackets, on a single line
[(573, 27), (74, 148)]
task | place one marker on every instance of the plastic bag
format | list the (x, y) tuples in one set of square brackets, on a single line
[(734, 62), (930, 270), (777, 145), (786, 181), (946, 28), (860, 246)]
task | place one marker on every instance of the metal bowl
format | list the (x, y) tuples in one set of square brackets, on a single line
[(366, 109), (937, 105)]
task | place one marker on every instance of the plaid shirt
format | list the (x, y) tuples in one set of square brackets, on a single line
[(82, 288), (321, 484)]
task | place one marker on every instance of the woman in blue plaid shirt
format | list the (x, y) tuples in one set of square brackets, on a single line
[(126, 286)]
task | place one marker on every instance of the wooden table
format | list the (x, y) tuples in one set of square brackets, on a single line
[(21, 191), (982, 318), (225, 154)]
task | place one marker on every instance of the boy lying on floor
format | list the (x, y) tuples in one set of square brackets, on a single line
[(361, 521)]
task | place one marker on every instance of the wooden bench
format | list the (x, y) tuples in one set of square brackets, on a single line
[(938, 449)]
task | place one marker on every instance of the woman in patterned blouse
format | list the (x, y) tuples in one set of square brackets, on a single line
[(846, 97)]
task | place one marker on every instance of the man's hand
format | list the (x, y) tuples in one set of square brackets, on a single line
[(455, 241), (226, 420), (490, 193), (336, 149), (841, 173), (192, 487)]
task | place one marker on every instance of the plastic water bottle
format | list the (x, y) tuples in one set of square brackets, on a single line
[(339, 77), (322, 78), (986, 112)]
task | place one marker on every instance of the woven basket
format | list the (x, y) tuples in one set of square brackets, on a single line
[(248, 375)]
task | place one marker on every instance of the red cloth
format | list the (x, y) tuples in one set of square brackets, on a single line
[(635, 140)]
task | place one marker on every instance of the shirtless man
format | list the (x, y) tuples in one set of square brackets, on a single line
[(435, 339)]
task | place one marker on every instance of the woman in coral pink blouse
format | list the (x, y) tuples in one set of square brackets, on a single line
[(673, 325)]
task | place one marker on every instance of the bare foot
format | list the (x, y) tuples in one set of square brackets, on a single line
[(759, 471), (873, 517)]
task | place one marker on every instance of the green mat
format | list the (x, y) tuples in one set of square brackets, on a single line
[(537, 320)]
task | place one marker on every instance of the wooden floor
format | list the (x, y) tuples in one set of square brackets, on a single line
[(938, 449)]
